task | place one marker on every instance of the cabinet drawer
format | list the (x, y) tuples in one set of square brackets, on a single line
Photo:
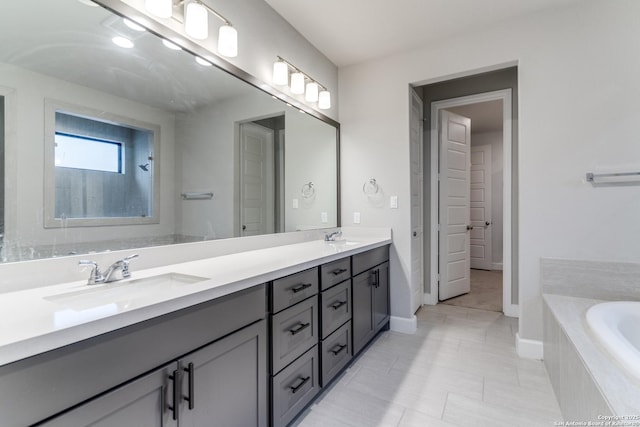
[(295, 387), (336, 307), (334, 273), (293, 289), (366, 260), (336, 352), (294, 330)]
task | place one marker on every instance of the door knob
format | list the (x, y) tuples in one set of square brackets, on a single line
[(415, 234), (469, 227), (487, 223)]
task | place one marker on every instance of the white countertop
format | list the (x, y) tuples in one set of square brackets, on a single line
[(621, 391), (44, 318)]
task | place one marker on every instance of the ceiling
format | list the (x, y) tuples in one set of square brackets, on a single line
[(353, 31), (485, 116)]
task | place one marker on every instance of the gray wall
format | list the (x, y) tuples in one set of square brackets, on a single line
[(1, 165), (472, 85)]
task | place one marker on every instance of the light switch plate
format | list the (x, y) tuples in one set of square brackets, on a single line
[(323, 216), (393, 202), (295, 203), (356, 217)]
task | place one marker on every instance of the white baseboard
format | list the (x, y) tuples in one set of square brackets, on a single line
[(529, 349), (404, 325), (496, 266), (512, 310), (429, 299)]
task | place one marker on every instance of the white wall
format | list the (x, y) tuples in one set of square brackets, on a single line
[(578, 87), (494, 139)]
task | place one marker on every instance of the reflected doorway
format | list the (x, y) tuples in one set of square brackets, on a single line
[(261, 166)]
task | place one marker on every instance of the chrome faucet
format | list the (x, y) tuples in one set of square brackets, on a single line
[(96, 276), (331, 237)]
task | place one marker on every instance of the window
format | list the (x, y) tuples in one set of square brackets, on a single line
[(81, 152)]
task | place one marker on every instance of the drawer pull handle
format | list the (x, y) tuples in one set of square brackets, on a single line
[(337, 349), (339, 271), (336, 305), (300, 287), (294, 389), (189, 370), (175, 377), (300, 328)]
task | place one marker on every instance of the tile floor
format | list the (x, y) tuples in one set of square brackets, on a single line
[(485, 293), (459, 369)]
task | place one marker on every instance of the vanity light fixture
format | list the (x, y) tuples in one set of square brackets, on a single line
[(300, 83), (196, 25), (196, 22), (324, 100), (297, 83)]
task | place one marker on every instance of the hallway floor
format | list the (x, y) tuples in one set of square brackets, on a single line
[(485, 294), (459, 369)]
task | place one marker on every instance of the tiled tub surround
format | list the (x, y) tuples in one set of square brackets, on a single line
[(31, 324), (587, 381)]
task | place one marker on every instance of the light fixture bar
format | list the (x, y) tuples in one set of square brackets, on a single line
[(213, 12), (298, 70)]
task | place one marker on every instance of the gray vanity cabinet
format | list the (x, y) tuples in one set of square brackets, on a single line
[(370, 295), (221, 384), (138, 403)]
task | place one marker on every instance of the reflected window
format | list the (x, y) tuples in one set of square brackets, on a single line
[(81, 152), (102, 169)]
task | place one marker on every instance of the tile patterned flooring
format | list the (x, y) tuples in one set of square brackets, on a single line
[(459, 369), (485, 293)]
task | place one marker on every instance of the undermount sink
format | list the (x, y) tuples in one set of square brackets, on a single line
[(122, 293)]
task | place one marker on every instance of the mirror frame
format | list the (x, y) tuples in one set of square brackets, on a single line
[(122, 9)]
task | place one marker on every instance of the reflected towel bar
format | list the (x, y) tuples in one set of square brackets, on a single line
[(197, 196), (614, 178)]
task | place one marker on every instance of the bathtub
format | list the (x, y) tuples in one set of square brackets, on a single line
[(617, 326)]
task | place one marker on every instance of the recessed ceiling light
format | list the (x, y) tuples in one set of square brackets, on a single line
[(122, 42), (202, 62), (170, 45), (133, 25)]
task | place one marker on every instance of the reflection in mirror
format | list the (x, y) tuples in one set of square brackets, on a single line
[(169, 125)]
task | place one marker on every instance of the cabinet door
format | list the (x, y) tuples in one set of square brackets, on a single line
[(225, 383), (362, 296), (381, 297), (145, 402)]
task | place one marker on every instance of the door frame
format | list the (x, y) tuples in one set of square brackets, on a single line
[(505, 95)]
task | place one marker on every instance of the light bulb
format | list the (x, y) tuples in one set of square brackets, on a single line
[(324, 100), (159, 8), (228, 41), (133, 25), (196, 21), (311, 93), (280, 73), (203, 62), (297, 83), (170, 45)]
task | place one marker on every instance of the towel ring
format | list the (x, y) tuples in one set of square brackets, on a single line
[(308, 190), (370, 187)]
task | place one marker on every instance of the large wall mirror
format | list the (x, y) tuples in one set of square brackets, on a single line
[(108, 147)]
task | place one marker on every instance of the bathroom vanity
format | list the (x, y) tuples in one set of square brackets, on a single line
[(251, 348)]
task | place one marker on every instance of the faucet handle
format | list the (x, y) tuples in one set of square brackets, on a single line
[(125, 265), (95, 274)]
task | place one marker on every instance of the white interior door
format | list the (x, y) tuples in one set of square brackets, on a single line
[(480, 212), (454, 250), (417, 236), (256, 180)]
